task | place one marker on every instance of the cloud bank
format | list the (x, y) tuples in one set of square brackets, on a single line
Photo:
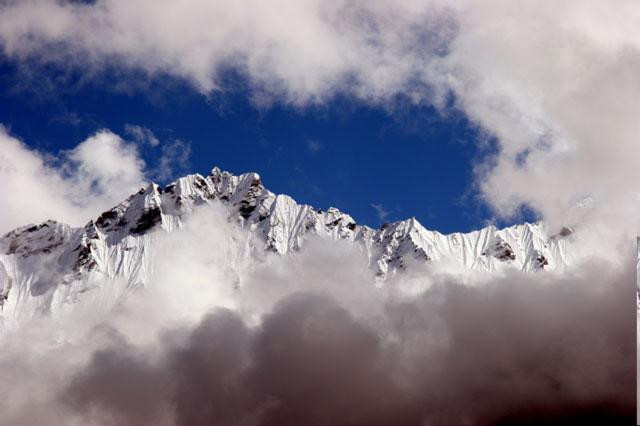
[(555, 84), (295, 344)]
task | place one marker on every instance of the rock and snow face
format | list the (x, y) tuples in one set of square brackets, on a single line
[(51, 268)]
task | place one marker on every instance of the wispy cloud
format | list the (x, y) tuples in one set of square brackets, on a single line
[(175, 159), (175, 155), (141, 135), (381, 212), (314, 146)]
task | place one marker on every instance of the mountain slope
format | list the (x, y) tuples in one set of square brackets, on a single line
[(52, 268)]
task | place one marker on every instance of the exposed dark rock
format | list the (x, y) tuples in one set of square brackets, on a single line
[(149, 218), (200, 183), (420, 253), (501, 250), (332, 224), (13, 246), (85, 259), (256, 182), (27, 241), (246, 209), (309, 223), (46, 250), (250, 200), (105, 218), (542, 261)]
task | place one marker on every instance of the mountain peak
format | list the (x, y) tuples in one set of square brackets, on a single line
[(49, 260)]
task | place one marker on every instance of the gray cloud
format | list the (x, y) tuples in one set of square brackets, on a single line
[(512, 349), (518, 349), (119, 386)]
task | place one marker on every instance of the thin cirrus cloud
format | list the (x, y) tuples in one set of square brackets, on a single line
[(314, 146), (381, 212), (174, 157), (141, 134), (559, 92)]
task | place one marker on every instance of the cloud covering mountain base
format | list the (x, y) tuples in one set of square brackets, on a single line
[(309, 339)]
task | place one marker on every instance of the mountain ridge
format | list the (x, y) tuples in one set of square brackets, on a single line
[(47, 265)]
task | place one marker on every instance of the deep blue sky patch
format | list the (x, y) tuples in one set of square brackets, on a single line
[(376, 163)]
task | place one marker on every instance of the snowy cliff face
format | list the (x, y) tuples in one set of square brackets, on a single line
[(52, 268)]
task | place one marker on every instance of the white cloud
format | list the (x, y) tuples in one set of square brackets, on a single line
[(174, 158), (107, 165), (141, 134), (381, 212), (531, 343), (554, 82), (74, 187), (303, 51)]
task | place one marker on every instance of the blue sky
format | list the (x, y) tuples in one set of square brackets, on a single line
[(378, 163), (340, 129)]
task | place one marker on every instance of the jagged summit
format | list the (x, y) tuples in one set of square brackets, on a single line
[(44, 267)]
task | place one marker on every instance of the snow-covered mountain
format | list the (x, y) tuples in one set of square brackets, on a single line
[(52, 267)]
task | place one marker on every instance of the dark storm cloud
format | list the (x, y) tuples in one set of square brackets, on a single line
[(524, 349), (119, 386)]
